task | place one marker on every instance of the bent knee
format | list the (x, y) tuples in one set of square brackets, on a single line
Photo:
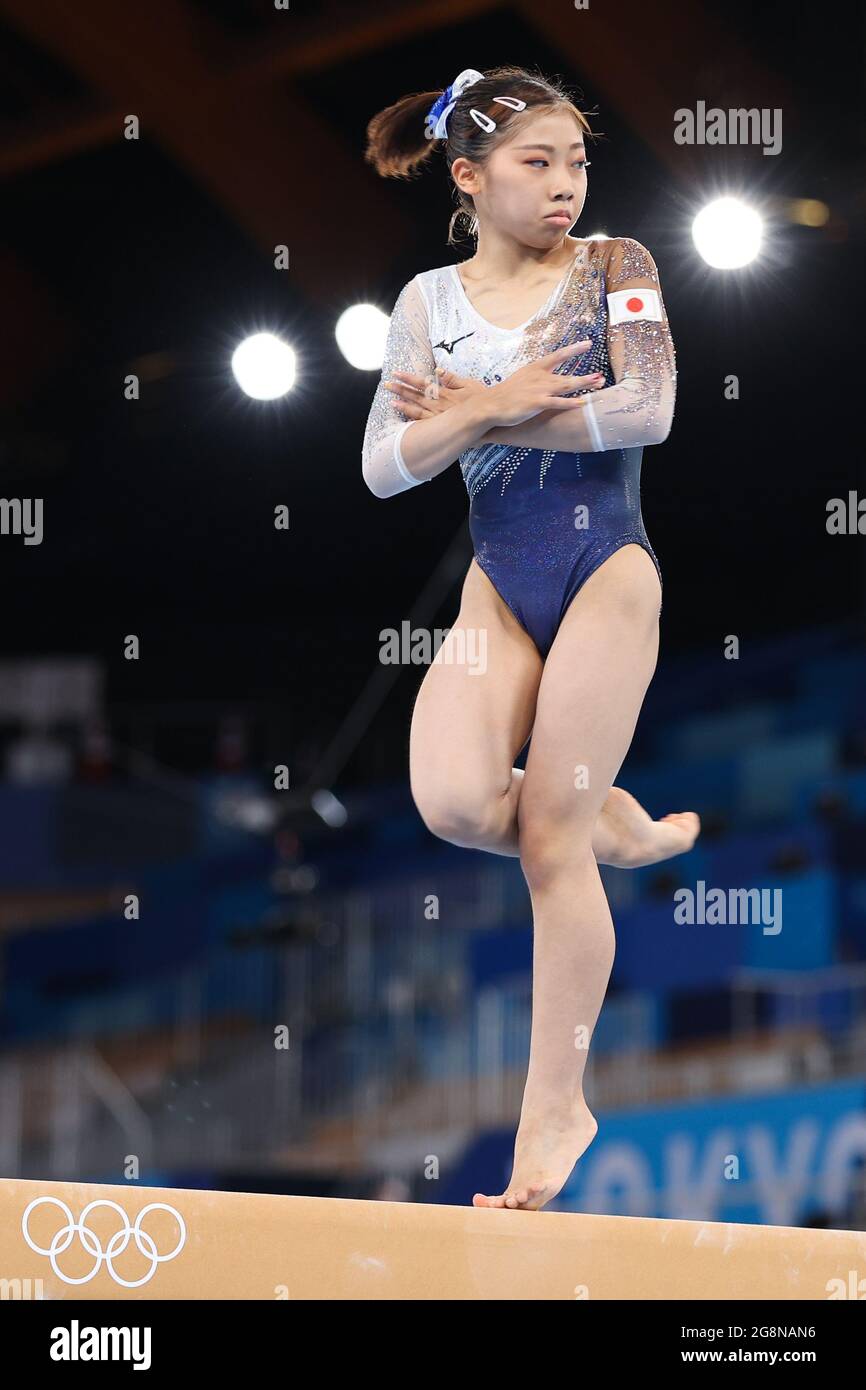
[(461, 814)]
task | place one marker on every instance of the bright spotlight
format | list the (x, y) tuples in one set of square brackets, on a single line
[(361, 333), (727, 233), (264, 366)]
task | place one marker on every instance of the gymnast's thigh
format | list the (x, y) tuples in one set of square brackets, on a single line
[(589, 700), (476, 705)]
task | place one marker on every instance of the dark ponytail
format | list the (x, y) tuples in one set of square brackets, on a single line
[(397, 144)]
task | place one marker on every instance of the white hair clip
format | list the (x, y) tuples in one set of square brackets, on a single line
[(487, 122), (436, 122)]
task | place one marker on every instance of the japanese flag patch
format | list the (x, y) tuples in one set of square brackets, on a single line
[(634, 304)]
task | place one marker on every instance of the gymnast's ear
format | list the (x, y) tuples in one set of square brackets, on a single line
[(467, 175)]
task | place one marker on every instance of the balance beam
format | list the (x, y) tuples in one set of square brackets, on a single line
[(95, 1241)]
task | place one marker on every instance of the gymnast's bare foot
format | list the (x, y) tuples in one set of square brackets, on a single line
[(545, 1152), (627, 837)]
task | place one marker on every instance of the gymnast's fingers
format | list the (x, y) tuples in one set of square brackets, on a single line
[(579, 383), (563, 353), (419, 409)]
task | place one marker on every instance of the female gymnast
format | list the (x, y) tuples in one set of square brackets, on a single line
[(544, 364)]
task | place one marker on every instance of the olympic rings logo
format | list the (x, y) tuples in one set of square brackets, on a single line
[(92, 1244)]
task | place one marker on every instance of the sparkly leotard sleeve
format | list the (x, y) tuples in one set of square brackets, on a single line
[(407, 349), (542, 520)]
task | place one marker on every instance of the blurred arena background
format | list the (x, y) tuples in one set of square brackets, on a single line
[(211, 980)]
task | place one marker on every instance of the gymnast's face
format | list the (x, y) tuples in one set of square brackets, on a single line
[(537, 171)]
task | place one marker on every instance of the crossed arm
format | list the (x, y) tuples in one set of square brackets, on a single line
[(600, 424), (400, 452)]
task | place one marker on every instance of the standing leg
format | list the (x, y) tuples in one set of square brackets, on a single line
[(589, 698)]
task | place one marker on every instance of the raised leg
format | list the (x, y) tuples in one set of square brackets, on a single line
[(467, 729), (470, 722)]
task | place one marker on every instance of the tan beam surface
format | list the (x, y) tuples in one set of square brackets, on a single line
[(254, 1246)]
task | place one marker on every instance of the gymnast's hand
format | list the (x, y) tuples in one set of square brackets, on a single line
[(419, 397), (538, 387)]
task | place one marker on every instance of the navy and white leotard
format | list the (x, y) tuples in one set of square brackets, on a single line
[(543, 516)]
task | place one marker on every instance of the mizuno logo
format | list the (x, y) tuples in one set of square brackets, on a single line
[(449, 347)]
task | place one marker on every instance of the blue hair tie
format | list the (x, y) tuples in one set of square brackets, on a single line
[(436, 120)]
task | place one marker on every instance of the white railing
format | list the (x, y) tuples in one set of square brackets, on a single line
[(64, 1112)]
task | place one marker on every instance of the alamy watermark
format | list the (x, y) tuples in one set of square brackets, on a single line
[(729, 907), (737, 126), (22, 516), (21, 1290), (421, 646)]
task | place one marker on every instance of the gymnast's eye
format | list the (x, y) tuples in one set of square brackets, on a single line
[(581, 163)]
